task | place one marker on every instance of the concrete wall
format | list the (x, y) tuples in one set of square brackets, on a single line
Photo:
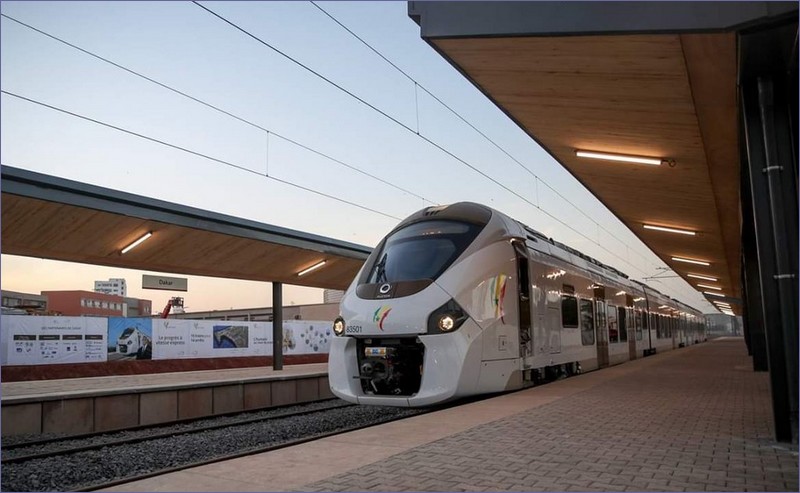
[(88, 414)]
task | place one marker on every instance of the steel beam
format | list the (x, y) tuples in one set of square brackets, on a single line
[(771, 163), (277, 326)]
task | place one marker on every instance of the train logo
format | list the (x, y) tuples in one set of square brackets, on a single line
[(380, 315), (499, 290)]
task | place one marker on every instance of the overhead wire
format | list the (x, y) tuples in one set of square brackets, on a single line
[(213, 107), (459, 116), (419, 85), (408, 128), (195, 153), (255, 125), (301, 145)]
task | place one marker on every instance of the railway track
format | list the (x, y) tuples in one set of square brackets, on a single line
[(103, 460)]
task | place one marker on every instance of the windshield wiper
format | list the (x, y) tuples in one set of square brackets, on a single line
[(380, 269)]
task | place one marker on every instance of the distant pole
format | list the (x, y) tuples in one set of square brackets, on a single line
[(277, 326)]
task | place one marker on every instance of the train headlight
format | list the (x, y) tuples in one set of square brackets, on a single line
[(338, 326), (446, 318), (446, 323)]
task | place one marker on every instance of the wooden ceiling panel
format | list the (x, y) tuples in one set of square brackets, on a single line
[(653, 95), (45, 229)]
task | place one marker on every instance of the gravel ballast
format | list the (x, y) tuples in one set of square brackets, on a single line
[(94, 467)]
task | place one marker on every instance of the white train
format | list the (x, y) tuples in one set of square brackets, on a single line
[(462, 300), (134, 341)]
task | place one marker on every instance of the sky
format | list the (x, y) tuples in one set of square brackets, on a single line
[(185, 47)]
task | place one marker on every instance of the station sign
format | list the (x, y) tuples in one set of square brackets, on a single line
[(165, 283)]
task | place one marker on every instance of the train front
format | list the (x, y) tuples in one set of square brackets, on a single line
[(403, 339)]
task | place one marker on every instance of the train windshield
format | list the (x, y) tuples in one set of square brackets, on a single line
[(126, 332), (421, 251)]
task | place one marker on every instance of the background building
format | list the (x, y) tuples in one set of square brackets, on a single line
[(325, 311), (112, 286), (26, 302), (332, 296), (78, 303)]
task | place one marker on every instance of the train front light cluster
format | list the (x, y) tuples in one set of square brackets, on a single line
[(446, 323), (446, 318), (338, 326)]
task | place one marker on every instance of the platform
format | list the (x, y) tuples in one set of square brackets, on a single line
[(83, 405), (693, 419)]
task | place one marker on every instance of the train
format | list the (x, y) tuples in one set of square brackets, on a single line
[(133, 341), (462, 300)]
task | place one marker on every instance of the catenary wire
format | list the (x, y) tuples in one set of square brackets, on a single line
[(212, 106), (408, 128), (165, 86), (318, 152), (417, 132), (248, 122), (461, 117), (195, 153)]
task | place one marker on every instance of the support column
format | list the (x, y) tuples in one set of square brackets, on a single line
[(277, 326), (752, 313), (773, 195)]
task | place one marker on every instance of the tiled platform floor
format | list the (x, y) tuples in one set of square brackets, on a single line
[(695, 419)]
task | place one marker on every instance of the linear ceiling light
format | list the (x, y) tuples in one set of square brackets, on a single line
[(705, 278), (669, 230), (312, 268), (136, 243), (714, 294), (709, 287), (653, 161), (690, 261)]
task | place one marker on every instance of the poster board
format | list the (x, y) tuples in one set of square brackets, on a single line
[(54, 340), (33, 340)]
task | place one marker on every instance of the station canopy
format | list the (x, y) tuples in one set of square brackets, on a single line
[(648, 79), (54, 218)]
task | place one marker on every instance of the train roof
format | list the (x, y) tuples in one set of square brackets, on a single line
[(480, 214)]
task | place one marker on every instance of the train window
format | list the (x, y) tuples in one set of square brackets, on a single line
[(623, 324), (613, 328), (421, 251), (569, 311), (587, 323), (601, 314), (639, 324)]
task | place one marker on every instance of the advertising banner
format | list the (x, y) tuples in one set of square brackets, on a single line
[(306, 336), (171, 338), (210, 338), (213, 338), (130, 338), (50, 340), (31, 340)]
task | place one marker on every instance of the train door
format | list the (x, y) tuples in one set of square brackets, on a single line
[(524, 294), (554, 328), (631, 323), (602, 334)]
